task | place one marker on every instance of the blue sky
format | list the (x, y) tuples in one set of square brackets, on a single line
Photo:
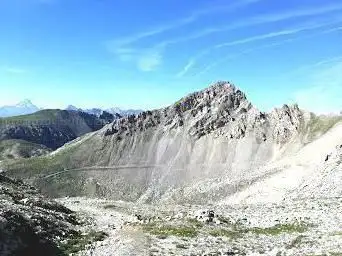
[(148, 54)]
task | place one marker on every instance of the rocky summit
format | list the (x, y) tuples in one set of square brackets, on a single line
[(208, 175)]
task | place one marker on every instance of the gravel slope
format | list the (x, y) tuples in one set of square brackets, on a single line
[(294, 227)]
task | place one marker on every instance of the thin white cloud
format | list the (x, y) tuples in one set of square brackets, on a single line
[(262, 37), (296, 13), (259, 37), (333, 30), (273, 35), (14, 70), (158, 30), (182, 22), (329, 60), (186, 68), (261, 19), (124, 50), (320, 63), (256, 20), (149, 62)]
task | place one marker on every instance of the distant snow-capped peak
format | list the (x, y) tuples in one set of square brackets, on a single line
[(22, 108), (25, 103)]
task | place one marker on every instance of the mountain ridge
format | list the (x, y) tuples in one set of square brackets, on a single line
[(200, 149), (51, 128), (114, 111)]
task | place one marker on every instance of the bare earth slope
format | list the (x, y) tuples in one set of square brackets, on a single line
[(207, 147)]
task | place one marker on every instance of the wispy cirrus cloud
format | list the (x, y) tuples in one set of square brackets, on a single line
[(182, 22), (313, 11), (327, 61), (124, 50), (285, 32), (257, 20), (186, 68), (271, 35), (152, 57), (260, 20)]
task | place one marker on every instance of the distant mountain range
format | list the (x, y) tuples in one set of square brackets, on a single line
[(26, 130), (51, 127), (114, 111), (22, 108), (26, 107)]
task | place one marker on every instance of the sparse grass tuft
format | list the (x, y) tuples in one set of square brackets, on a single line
[(79, 242), (181, 231), (237, 231), (330, 254), (196, 223), (319, 125), (232, 234), (224, 220), (181, 246), (109, 206), (337, 233), (295, 242), (280, 228)]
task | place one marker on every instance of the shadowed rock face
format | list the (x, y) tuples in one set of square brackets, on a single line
[(51, 128), (205, 147), (30, 224), (14, 149)]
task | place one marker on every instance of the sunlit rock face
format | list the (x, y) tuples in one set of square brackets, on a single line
[(207, 147)]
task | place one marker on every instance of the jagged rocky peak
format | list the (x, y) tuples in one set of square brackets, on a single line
[(221, 110), (222, 94), (200, 112), (286, 121)]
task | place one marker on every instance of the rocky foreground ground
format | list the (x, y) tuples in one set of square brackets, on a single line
[(31, 224), (303, 227)]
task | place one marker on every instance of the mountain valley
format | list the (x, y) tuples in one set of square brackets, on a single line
[(208, 175)]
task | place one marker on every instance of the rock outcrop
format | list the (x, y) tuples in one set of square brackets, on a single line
[(31, 224), (221, 110)]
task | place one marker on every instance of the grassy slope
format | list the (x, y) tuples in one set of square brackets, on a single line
[(48, 114), (35, 169), (319, 125)]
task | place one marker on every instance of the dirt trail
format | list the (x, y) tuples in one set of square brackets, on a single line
[(122, 239)]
